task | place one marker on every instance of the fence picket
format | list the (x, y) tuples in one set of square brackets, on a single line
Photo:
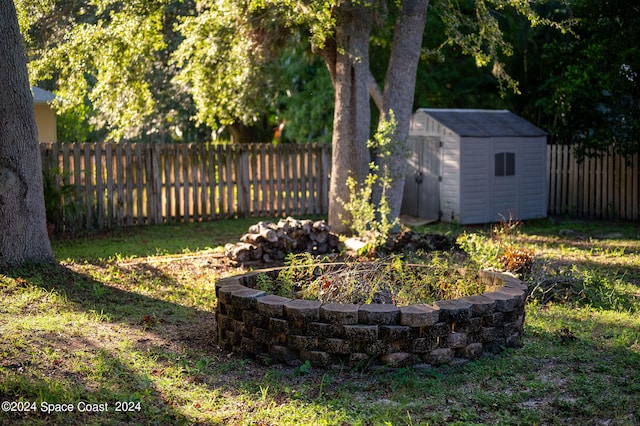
[(553, 175), (129, 167), (263, 181)]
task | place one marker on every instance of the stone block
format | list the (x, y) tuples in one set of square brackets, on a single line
[(280, 353), (480, 305), (394, 332), (456, 340), (253, 319), (250, 279), (234, 313), (489, 334), (517, 293), (338, 313), (454, 310), (278, 326), (303, 310), (263, 335), (438, 329), (493, 320), (245, 299), (223, 293), (336, 346), (232, 337), (224, 322), (378, 314), (473, 351), (221, 308), (272, 305), (519, 322), (441, 356), (322, 329), (472, 325), (504, 302), (491, 279), (398, 359), (513, 282), (302, 342), (361, 333), (249, 345), (495, 346), (374, 347), (423, 344), (419, 315), (237, 326)]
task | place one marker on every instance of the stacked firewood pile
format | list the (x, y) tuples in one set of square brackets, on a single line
[(270, 242)]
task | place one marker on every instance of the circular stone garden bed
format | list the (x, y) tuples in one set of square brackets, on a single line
[(273, 328)]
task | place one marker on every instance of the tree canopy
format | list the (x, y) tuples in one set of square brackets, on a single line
[(175, 70)]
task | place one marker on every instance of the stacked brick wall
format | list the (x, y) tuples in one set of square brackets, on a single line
[(278, 329)]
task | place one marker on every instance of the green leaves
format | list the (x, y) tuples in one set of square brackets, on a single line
[(108, 62)]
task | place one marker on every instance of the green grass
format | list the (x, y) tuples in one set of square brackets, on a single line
[(128, 316)]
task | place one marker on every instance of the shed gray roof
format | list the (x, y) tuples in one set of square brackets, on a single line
[(41, 96), (483, 122)]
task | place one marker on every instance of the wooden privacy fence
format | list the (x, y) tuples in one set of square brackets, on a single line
[(600, 188), (103, 185)]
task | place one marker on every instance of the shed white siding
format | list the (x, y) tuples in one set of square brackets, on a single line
[(534, 179), (450, 177), (475, 185)]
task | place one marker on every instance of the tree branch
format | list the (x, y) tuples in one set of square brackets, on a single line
[(375, 92)]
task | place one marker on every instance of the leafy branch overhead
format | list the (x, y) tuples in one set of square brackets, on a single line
[(164, 67)]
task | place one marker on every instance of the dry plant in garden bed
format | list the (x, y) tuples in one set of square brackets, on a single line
[(396, 279)]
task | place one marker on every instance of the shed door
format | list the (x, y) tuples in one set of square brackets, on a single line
[(421, 196)]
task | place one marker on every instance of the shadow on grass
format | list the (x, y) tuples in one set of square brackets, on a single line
[(167, 333), (115, 395)]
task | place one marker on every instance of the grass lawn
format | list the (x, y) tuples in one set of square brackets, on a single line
[(122, 331)]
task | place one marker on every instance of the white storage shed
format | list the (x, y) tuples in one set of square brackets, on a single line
[(475, 166)]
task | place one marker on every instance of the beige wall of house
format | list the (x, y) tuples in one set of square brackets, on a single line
[(46, 123)]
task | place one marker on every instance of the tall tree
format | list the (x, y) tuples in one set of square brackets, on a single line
[(347, 57), (23, 228)]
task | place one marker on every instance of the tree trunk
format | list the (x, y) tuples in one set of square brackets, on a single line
[(399, 91), (23, 228), (348, 63)]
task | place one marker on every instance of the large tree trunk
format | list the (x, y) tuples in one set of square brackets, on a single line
[(399, 91), (23, 228), (348, 63)]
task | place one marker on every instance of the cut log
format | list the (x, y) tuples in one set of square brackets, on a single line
[(264, 230), (240, 252)]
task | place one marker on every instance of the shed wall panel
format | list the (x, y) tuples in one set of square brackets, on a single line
[(450, 183), (533, 195), (474, 183)]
